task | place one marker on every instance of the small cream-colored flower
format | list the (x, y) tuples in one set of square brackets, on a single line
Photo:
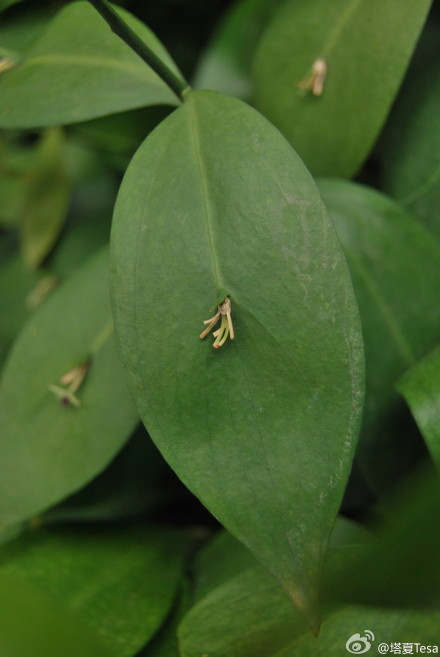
[(70, 383), (226, 328), (6, 63), (315, 81)]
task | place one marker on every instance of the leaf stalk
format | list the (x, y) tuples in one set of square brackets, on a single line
[(124, 32)]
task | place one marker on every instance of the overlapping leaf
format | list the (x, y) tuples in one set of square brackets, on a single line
[(226, 63), (50, 448), (249, 613), (366, 46), (394, 265), (420, 386), (77, 70), (33, 624), (120, 584), (216, 203)]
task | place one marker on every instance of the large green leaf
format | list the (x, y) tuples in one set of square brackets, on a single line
[(366, 45), (410, 159), (216, 203), (32, 624), (420, 386), (49, 449), (77, 70), (394, 264), (120, 583)]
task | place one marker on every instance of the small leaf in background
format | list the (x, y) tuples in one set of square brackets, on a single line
[(226, 63), (394, 264), (400, 567), (16, 283), (420, 386), (47, 199), (365, 45), (77, 70), (263, 430), (120, 582), (50, 450), (32, 624), (410, 147)]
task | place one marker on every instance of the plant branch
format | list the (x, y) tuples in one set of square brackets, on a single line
[(120, 27)]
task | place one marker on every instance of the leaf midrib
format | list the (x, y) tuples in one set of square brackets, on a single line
[(344, 19), (205, 194)]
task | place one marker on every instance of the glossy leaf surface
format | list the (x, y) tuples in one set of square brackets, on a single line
[(215, 202), (365, 61), (49, 449), (121, 584), (394, 264), (77, 70), (420, 386)]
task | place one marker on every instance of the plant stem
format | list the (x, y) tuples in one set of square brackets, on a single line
[(120, 27)]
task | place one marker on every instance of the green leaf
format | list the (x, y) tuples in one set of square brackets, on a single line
[(263, 429), (410, 162), (48, 449), (400, 567), (131, 486), (226, 64), (224, 557), (366, 45), (420, 386), (221, 559), (165, 643), (47, 199), (33, 624), (20, 27), (77, 70), (120, 584), (250, 614), (16, 284), (394, 267)]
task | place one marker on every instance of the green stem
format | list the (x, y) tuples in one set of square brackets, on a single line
[(119, 27)]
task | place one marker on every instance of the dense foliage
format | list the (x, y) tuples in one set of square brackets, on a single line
[(274, 496)]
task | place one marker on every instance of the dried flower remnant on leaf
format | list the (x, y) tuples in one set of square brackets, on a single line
[(315, 81), (41, 291), (226, 328), (70, 384), (6, 63)]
